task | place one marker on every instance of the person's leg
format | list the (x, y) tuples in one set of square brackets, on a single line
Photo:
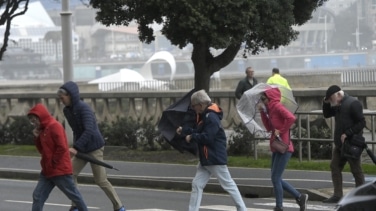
[(223, 175), (77, 165), (41, 193), (283, 161), (199, 181), (100, 178), (356, 170), (336, 166), (66, 185), (279, 162)]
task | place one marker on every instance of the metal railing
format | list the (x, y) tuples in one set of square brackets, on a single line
[(306, 116)]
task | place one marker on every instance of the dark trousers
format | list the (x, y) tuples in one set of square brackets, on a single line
[(337, 164)]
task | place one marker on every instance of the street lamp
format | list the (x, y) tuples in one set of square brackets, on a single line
[(357, 33), (325, 34), (66, 35)]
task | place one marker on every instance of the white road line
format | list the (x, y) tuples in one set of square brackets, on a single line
[(151, 210), (49, 204), (293, 205), (229, 208)]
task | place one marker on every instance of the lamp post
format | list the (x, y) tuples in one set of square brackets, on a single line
[(66, 35), (66, 38), (325, 34), (357, 33)]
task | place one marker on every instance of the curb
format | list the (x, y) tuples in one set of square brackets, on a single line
[(248, 191)]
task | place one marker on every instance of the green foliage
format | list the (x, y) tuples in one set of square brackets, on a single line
[(122, 132), (216, 24), (130, 133), (18, 131), (241, 141), (319, 149), (148, 135), (207, 24)]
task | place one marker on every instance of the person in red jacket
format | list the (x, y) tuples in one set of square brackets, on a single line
[(277, 119), (52, 144)]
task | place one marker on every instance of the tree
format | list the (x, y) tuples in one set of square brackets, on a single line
[(10, 9), (206, 24)]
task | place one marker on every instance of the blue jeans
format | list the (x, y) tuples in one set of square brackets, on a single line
[(223, 175), (279, 162), (64, 183)]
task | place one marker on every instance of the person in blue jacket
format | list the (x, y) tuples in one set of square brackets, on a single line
[(86, 139), (211, 140)]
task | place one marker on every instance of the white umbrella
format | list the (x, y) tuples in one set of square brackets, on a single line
[(249, 113)]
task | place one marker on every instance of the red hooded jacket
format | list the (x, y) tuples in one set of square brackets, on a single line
[(280, 118), (52, 144)]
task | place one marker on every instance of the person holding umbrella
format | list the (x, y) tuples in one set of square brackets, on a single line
[(278, 119), (86, 139), (211, 140), (51, 142)]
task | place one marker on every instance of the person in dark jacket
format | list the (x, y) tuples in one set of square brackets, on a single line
[(246, 83), (51, 142), (86, 138), (211, 140), (349, 120)]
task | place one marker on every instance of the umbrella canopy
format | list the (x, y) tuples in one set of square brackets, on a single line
[(249, 113), (178, 114), (91, 159)]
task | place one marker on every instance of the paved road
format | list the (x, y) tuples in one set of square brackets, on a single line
[(178, 177)]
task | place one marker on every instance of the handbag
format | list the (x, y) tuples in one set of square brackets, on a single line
[(353, 148), (279, 146)]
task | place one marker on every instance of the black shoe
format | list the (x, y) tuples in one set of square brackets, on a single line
[(277, 209), (302, 201), (333, 199), (73, 209)]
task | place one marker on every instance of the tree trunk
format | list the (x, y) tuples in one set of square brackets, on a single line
[(206, 64)]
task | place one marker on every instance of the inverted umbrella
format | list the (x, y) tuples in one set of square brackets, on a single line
[(91, 159), (178, 114), (248, 109)]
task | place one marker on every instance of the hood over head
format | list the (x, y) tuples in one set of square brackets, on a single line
[(73, 90), (42, 113), (274, 96)]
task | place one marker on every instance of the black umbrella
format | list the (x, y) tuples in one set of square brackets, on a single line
[(370, 154), (91, 159), (178, 114)]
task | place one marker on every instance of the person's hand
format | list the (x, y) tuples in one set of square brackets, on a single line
[(188, 138), (36, 132), (72, 151), (277, 132), (343, 137), (178, 130)]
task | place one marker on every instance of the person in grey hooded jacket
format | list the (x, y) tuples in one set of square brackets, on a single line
[(87, 139)]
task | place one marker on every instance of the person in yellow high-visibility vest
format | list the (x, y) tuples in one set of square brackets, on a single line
[(276, 78)]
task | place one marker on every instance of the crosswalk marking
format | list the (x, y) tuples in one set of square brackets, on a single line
[(151, 210), (293, 205), (210, 207), (48, 204), (227, 208)]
